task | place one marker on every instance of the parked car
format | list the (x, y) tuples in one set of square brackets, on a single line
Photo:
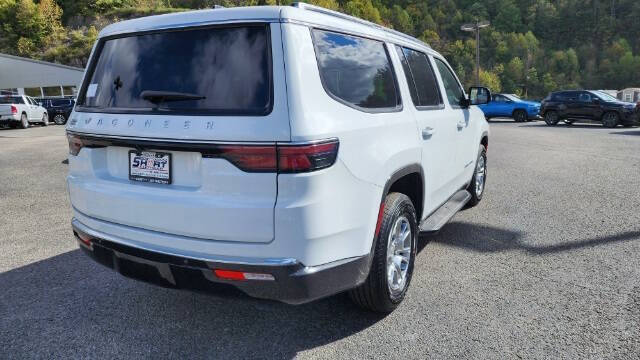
[(207, 160), (21, 110), (509, 105), (591, 105), (58, 109)]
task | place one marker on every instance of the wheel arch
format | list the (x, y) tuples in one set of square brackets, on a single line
[(408, 180)]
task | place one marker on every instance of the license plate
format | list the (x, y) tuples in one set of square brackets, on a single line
[(150, 166)]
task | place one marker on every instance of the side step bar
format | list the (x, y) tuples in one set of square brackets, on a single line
[(445, 212)]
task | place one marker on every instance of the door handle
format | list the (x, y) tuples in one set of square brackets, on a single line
[(427, 132), (461, 124)]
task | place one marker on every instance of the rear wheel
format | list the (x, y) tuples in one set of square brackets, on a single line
[(394, 254), (45, 119), (520, 116), (610, 119), (551, 118), (24, 122), (478, 181), (59, 119)]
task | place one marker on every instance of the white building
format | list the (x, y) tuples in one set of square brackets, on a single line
[(629, 94), (37, 78)]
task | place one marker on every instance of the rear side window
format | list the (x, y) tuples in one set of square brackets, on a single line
[(451, 85), (355, 70), (214, 70), (420, 77)]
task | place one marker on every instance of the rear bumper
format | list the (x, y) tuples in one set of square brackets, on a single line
[(293, 282)]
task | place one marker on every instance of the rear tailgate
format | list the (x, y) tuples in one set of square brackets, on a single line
[(237, 71), (5, 110)]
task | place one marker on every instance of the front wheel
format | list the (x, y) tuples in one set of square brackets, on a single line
[(551, 118), (520, 116), (393, 254), (479, 179), (59, 119), (610, 119)]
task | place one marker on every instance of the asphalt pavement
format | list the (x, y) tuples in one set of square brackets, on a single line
[(547, 266)]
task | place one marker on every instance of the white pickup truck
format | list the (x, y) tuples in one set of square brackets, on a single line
[(21, 110)]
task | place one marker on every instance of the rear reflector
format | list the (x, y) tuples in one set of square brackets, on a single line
[(85, 239), (239, 275), (379, 223)]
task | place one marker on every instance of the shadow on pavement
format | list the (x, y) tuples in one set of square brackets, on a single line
[(69, 306), (482, 238)]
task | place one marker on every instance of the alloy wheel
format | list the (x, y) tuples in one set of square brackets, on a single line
[(398, 255)]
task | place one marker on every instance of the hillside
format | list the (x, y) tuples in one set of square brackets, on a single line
[(531, 47)]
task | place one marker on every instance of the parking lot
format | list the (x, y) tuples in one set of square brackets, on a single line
[(547, 266)]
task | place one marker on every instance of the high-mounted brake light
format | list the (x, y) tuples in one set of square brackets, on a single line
[(14, 109)]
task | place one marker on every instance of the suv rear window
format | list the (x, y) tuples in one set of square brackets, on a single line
[(229, 67), (355, 70), (11, 100)]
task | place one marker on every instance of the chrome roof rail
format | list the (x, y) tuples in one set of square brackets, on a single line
[(319, 9)]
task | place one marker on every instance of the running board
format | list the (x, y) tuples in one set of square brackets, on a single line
[(441, 216)]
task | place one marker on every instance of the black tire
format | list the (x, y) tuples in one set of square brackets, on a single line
[(477, 193), (520, 115), (59, 119), (24, 121), (375, 293), (551, 118), (45, 119), (610, 119)]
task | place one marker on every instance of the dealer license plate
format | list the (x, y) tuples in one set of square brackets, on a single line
[(150, 166)]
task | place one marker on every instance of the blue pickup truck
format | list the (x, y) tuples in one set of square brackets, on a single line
[(509, 105)]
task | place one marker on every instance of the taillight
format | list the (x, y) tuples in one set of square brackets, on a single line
[(14, 109), (283, 158), (75, 144), (308, 157)]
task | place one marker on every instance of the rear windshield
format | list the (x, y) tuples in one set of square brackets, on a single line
[(11, 100), (215, 70)]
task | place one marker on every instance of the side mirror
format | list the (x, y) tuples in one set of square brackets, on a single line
[(479, 95)]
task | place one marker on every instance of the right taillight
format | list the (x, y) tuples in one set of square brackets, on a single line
[(307, 157), (14, 109), (281, 158)]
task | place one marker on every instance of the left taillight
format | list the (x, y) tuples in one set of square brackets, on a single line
[(14, 109), (75, 144)]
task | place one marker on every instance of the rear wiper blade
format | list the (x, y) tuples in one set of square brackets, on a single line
[(157, 97)]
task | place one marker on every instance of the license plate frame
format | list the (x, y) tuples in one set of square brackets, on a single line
[(147, 176)]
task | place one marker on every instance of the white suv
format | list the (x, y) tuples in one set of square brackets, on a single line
[(292, 152)]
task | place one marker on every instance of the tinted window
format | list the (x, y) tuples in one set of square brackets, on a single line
[(499, 98), (451, 85), (11, 100), (422, 81), (60, 102), (584, 97), (565, 96), (229, 66), (356, 70)]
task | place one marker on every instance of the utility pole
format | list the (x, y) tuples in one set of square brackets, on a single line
[(476, 27)]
